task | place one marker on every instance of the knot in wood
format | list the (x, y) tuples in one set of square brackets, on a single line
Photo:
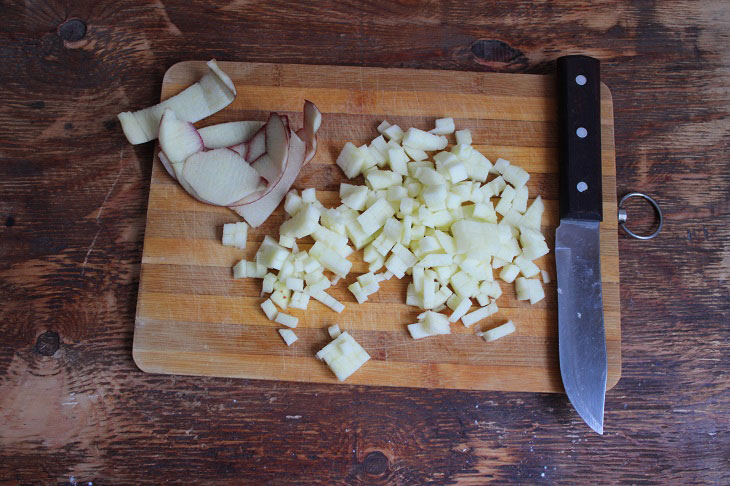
[(375, 463), (48, 343), (72, 30), (495, 51)]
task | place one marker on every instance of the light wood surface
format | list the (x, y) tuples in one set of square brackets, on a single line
[(193, 318)]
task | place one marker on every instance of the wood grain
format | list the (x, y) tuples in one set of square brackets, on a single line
[(193, 318), (74, 407)]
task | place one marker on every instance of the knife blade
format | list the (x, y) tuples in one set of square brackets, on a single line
[(581, 332)]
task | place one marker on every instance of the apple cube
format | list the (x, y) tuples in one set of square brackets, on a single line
[(269, 309), (234, 234), (516, 175), (344, 356), (415, 154), (421, 140), (288, 336), (509, 272), (286, 320), (463, 137), (351, 160), (498, 332), (536, 291), (444, 126), (334, 331), (501, 165), (527, 268)]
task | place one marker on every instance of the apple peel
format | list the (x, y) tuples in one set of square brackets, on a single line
[(179, 139), (220, 176), (213, 92), (175, 171), (270, 165), (254, 148), (312, 122), (256, 212), (230, 134), (166, 164)]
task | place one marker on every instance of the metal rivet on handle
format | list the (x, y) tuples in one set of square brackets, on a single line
[(581, 132), (623, 216), (580, 80)]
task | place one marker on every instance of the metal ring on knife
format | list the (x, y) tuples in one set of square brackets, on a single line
[(623, 216)]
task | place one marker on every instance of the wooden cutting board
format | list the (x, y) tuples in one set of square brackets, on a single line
[(193, 318)]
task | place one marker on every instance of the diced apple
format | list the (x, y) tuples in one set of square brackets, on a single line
[(235, 234), (491, 289), (303, 223), (415, 154), (240, 269), (418, 139), (457, 171), (269, 309), (478, 166), (344, 356), (288, 336), (268, 284), (533, 216), (498, 332), (522, 288), (535, 250), (393, 133), (398, 160), (536, 291), (509, 272), (286, 320), (463, 137), (395, 265), (501, 165), (460, 309), (382, 179), (435, 196), (515, 175), (473, 317), (356, 289), (334, 331), (527, 268), (375, 216), (280, 296), (519, 203), (330, 259), (444, 126), (350, 160)]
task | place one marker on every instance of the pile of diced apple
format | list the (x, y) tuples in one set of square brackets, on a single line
[(447, 217)]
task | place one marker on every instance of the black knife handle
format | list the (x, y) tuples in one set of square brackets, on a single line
[(579, 136)]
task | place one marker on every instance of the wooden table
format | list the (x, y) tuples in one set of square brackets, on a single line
[(73, 195)]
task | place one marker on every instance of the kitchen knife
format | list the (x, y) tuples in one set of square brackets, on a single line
[(581, 334)]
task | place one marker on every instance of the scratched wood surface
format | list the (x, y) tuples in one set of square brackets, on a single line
[(194, 318), (74, 408)]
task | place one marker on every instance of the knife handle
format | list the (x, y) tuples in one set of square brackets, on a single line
[(579, 137)]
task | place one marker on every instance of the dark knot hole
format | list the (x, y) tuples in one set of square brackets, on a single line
[(72, 30)]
